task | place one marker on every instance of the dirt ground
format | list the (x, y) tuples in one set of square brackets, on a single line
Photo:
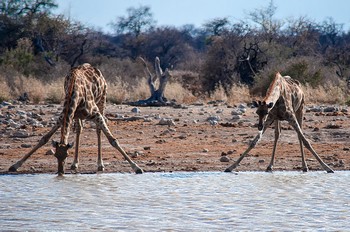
[(192, 144)]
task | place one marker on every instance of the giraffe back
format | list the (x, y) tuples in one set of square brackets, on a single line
[(85, 93)]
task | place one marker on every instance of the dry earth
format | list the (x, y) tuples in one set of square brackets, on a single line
[(192, 144)]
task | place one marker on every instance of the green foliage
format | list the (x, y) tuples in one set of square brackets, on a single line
[(19, 58)]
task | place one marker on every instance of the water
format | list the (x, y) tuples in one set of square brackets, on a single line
[(209, 201)]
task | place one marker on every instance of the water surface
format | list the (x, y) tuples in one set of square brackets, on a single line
[(201, 201)]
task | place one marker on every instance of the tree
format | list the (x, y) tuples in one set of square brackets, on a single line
[(157, 97), (217, 26), (138, 20), (20, 8), (264, 18)]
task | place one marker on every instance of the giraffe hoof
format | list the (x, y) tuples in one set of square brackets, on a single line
[(330, 171), (227, 170), (305, 169), (269, 169), (60, 173), (74, 167), (100, 168), (139, 171), (13, 169)]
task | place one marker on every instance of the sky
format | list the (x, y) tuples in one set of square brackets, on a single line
[(99, 14)]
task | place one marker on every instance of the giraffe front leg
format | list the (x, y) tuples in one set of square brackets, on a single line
[(299, 117), (79, 129), (133, 165), (100, 122), (251, 146), (100, 166), (303, 161), (277, 135), (41, 143)]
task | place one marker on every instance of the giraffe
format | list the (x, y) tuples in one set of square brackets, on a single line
[(85, 99), (284, 100)]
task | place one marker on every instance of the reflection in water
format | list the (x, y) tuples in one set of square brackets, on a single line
[(182, 201)]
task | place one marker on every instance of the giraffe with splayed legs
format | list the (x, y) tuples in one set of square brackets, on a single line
[(85, 99), (284, 101)]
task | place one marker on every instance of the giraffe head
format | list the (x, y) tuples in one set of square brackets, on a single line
[(61, 154), (262, 111)]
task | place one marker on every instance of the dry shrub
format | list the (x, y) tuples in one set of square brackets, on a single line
[(4, 91), (34, 87), (117, 91), (175, 91), (218, 94), (234, 95), (239, 94), (55, 91), (140, 91), (116, 69), (329, 94)]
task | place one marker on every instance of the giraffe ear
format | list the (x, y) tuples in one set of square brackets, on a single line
[(270, 105)]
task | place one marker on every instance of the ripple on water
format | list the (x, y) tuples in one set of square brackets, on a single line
[(176, 201)]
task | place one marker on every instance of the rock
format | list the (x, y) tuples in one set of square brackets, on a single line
[(5, 103), (25, 145), (214, 118), (330, 109), (5, 146), (236, 112), (21, 134), (205, 150), (213, 122), (147, 148), (165, 133), (183, 137), (236, 117), (224, 159), (136, 110), (166, 122), (136, 154), (332, 126)]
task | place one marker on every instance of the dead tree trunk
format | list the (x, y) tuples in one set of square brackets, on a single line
[(157, 97)]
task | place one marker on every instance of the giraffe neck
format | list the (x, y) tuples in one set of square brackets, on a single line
[(275, 90), (68, 109)]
